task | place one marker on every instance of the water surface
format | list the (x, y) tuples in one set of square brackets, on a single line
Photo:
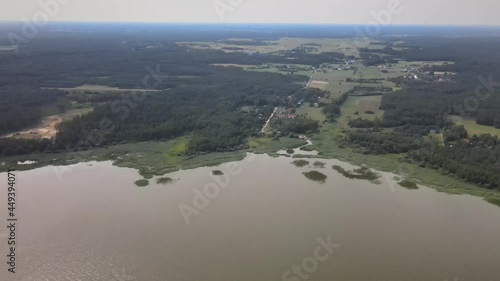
[(98, 225)]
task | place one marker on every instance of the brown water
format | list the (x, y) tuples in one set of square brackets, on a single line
[(97, 225)]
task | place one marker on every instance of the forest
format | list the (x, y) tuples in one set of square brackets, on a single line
[(193, 97), (22, 106), (420, 112), (197, 99)]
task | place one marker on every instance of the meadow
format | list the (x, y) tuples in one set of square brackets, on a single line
[(473, 128)]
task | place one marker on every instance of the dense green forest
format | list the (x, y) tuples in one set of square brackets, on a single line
[(21, 105), (209, 112), (417, 114), (194, 97), (220, 108)]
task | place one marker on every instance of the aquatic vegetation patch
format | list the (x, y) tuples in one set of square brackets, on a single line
[(217, 173), (316, 176), (494, 201), (142, 183), (165, 180), (300, 163), (308, 148), (408, 184), (319, 164), (359, 174)]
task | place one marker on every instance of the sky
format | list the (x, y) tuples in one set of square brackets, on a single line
[(397, 12)]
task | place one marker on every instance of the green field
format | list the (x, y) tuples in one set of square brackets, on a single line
[(286, 69), (360, 105), (271, 146), (473, 128), (333, 80), (348, 46), (310, 112)]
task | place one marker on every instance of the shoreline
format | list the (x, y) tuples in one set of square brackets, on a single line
[(152, 161)]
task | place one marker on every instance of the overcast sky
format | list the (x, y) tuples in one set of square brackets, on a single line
[(448, 12)]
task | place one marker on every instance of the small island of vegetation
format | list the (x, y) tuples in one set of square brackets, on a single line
[(319, 164), (142, 183), (360, 174), (308, 148), (408, 184), (217, 173), (300, 163), (315, 176), (165, 180)]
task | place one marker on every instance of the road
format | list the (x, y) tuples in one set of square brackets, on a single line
[(269, 120), (310, 80), (276, 109)]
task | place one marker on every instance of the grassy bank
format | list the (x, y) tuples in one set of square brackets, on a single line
[(328, 145), (160, 158), (150, 158), (270, 146)]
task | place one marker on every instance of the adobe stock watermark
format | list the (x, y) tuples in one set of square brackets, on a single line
[(224, 6), (202, 197), (380, 19), (48, 9), (483, 91), (3, 236), (123, 276), (309, 265), (122, 109), (456, 279)]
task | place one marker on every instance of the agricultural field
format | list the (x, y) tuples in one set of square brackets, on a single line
[(310, 112), (100, 89), (328, 78), (348, 46), (333, 80), (359, 104), (368, 107), (473, 128), (286, 69)]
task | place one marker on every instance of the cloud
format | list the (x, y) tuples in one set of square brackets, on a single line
[(480, 12)]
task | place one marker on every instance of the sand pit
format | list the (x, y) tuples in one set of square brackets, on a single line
[(46, 130)]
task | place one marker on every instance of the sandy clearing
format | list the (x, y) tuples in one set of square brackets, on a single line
[(100, 88), (48, 126), (46, 130), (5, 48), (319, 82), (244, 66)]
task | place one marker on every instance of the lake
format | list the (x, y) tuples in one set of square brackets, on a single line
[(261, 220)]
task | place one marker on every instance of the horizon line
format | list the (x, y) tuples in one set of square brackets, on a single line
[(259, 23)]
